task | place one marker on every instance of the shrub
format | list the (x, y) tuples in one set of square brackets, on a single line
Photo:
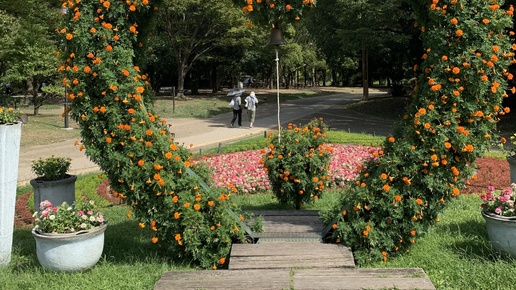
[(297, 163), (51, 168), (111, 101), (455, 107)]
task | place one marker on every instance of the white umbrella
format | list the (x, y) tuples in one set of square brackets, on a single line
[(234, 92)]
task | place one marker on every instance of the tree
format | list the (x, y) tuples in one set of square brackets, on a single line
[(194, 29), (36, 63)]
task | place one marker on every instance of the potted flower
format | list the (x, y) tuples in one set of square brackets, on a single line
[(10, 134), (69, 238), (498, 209), (53, 183)]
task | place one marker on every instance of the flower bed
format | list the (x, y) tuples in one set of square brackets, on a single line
[(244, 171)]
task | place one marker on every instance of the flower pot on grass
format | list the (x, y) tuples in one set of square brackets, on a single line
[(69, 238), (52, 182), (499, 211), (502, 232)]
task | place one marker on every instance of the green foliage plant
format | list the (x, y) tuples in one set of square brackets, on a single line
[(110, 99), (274, 13), (297, 164), (456, 104), (51, 168)]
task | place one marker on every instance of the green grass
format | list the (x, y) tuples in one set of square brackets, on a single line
[(47, 128), (456, 253), (335, 137)]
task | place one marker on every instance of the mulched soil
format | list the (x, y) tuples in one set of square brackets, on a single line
[(490, 171)]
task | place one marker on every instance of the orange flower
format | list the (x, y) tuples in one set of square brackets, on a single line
[(397, 198), (197, 206), (108, 140), (168, 155), (154, 240), (419, 201), (454, 21), (222, 261), (386, 187), (211, 203), (456, 70), (141, 162), (69, 36), (459, 32)]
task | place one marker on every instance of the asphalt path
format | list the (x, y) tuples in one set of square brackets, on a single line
[(199, 134)]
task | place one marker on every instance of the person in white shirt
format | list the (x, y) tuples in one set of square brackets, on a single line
[(251, 102)]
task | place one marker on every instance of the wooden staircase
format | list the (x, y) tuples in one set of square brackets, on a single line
[(291, 255)]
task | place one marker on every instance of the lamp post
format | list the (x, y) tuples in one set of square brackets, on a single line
[(64, 10), (277, 39)]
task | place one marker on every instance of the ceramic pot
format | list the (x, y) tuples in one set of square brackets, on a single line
[(55, 191), (502, 232), (70, 252)]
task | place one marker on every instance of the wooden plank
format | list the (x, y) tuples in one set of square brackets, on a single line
[(363, 278), (224, 279), (289, 255)]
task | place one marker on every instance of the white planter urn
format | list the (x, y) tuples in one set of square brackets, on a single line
[(10, 135), (71, 252)]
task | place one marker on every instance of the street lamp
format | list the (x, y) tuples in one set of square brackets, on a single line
[(277, 39), (64, 10)]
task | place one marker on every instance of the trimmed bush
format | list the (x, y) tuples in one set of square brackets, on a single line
[(297, 163)]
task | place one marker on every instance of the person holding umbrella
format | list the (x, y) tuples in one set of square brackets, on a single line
[(236, 104)]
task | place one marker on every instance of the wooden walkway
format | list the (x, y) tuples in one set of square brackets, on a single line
[(290, 255)]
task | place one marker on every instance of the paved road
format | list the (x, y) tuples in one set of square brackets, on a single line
[(200, 134)]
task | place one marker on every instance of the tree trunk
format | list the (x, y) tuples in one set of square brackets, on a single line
[(365, 74)]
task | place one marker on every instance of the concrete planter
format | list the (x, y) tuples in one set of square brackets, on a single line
[(502, 232), (70, 252), (10, 135), (55, 191)]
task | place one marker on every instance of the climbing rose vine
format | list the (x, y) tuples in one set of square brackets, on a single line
[(120, 131), (456, 103)]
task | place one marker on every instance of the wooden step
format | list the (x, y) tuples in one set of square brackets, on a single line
[(276, 255), (225, 279), (362, 278), (297, 279)]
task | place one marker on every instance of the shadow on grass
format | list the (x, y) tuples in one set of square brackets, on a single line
[(472, 241)]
